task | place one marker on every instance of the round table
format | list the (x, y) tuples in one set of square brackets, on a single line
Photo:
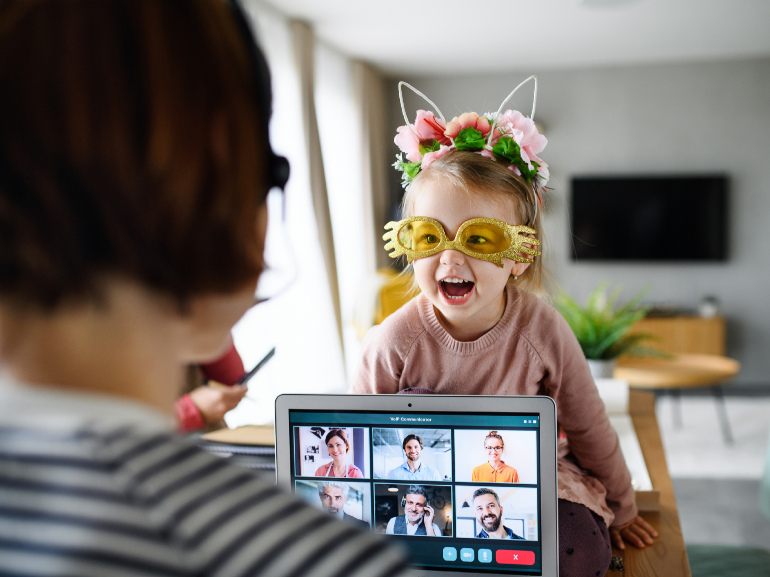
[(676, 372), (679, 372)]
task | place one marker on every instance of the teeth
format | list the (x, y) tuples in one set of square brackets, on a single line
[(454, 280)]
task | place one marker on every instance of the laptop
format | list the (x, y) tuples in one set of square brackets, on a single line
[(466, 484)]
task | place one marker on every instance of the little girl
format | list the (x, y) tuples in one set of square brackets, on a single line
[(471, 225)]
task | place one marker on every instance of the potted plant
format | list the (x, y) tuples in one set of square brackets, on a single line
[(602, 331)]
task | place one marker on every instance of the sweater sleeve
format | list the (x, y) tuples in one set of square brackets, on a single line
[(227, 369), (582, 416), (188, 417)]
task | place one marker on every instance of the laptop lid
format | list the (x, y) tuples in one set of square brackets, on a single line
[(466, 484)]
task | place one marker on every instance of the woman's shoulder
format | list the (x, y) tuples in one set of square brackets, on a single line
[(323, 469), (354, 471)]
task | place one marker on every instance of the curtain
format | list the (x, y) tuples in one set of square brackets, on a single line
[(300, 322), (328, 119)]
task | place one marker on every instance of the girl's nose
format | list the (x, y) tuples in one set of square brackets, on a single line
[(451, 257)]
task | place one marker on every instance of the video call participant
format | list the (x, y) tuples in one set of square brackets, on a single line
[(134, 169), (495, 470), (334, 495), (413, 468), (338, 446), (489, 515), (418, 515)]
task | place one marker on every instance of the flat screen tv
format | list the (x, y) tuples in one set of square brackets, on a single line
[(649, 218)]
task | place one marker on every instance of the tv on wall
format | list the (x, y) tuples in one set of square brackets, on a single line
[(649, 218)]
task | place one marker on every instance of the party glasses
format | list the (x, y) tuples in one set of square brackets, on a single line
[(483, 238)]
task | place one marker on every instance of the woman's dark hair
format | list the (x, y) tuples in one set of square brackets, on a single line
[(338, 433), (133, 142)]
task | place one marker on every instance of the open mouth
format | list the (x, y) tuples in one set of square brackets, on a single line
[(455, 289)]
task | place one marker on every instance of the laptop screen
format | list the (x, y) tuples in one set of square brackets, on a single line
[(462, 492)]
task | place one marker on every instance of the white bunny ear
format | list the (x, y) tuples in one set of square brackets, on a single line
[(499, 110), (403, 110)]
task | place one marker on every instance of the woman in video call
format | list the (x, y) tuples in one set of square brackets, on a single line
[(494, 470), (338, 447)]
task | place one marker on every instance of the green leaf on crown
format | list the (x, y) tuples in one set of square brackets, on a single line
[(412, 169), (507, 148), (469, 139), (409, 169), (427, 146)]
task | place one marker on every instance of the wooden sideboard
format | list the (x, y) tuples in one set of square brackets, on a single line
[(684, 334)]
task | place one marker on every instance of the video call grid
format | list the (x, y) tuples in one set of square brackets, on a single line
[(371, 480)]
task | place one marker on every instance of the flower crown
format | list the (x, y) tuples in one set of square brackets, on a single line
[(510, 138)]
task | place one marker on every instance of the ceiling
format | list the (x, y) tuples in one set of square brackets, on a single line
[(421, 37)]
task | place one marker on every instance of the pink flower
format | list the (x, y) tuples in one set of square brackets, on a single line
[(514, 124), (408, 144), (465, 120), (486, 153), (427, 128), (431, 156)]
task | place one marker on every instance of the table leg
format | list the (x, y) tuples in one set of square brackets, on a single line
[(724, 423), (676, 408)]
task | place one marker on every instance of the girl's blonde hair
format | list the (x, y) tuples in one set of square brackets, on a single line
[(477, 175)]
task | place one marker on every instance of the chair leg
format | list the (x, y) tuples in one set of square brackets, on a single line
[(724, 423)]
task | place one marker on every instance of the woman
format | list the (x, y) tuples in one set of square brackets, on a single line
[(338, 446), (134, 167), (495, 470)]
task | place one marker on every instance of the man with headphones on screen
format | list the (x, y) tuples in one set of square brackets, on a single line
[(418, 515), (134, 169)]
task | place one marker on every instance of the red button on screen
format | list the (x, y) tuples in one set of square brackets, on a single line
[(515, 557)]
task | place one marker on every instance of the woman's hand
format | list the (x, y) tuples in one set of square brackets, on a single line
[(638, 532), (214, 400)]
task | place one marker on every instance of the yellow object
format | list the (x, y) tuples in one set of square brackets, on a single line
[(396, 291), (487, 239)]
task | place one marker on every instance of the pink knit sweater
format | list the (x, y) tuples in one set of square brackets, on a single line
[(531, 351)]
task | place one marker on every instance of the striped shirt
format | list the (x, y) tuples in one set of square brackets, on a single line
[(120, 495)]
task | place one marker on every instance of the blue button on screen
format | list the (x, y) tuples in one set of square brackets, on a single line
[(485, 555), (466, 554), (450, 554)]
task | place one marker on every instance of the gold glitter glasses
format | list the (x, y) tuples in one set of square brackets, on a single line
[(483, 238)]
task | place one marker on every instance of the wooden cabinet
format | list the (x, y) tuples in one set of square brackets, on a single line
[(685, 334)]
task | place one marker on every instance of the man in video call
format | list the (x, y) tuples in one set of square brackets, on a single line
[(334, 495), (418, 515), (489, 514), (412, 469)]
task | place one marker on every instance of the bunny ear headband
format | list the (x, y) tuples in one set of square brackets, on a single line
[(508, 137)]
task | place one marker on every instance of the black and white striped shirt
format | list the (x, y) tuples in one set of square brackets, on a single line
[(119, 496)]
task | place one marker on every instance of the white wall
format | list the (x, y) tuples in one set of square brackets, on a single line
[(680, 118)]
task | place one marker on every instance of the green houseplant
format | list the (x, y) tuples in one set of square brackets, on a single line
[(602, 330)]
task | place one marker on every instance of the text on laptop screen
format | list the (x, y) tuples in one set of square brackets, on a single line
[(460, 491)]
